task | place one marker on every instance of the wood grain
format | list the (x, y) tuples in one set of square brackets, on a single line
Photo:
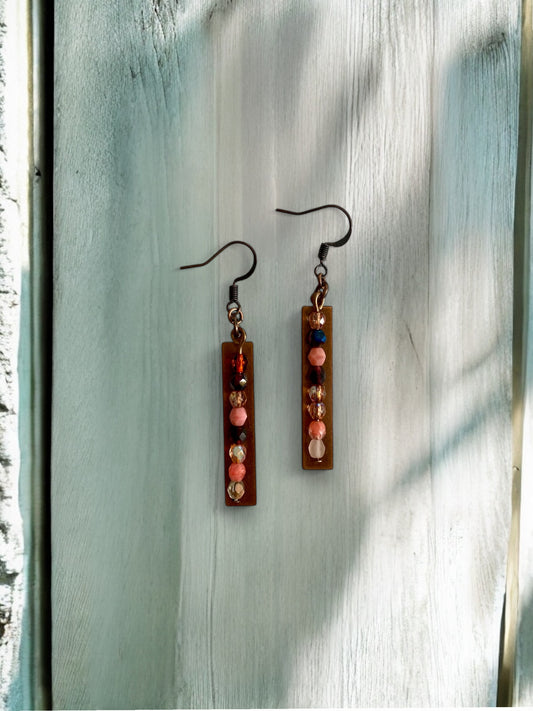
[(180, 127)]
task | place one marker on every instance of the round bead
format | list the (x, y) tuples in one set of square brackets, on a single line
[(237, 453), (239, 363), (236, 471), (317, 356), (317, 393), (317, 410), (236, 490), (317, 375), (237, 434), (317, 430), (316, 319), (237, 398), (239, 381), (316, 448), (237, 416), (317, 338)]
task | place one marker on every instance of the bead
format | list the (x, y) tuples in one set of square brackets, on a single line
[(317, 337), (316, 319), (317, 430), (236, 471), (237, 453), (238, 398), (239, 363), (317, 410), (239, 381), (317, 393), (316, 448), (317, 375), (237, 434), (236, 490), (317, 356), (237, 416)]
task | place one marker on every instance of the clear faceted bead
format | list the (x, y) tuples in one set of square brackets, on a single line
[(237, 453), (317, 410), (316, 319), (236, 490), (238, 398), (317, 393)]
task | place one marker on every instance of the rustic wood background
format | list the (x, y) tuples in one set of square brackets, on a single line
[(180, 126)]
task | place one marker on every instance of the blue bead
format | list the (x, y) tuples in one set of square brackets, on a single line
[(317, 338)]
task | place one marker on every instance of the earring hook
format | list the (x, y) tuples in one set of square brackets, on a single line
[(324, 247), (233, 289)]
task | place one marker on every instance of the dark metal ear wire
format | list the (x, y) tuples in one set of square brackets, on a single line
[(233, 289), (324, 247), (235, 315)]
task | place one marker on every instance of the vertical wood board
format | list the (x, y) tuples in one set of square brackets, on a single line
[(178, 129)]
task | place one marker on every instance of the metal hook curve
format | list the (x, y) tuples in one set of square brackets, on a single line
[(323, 251), (235, 241)]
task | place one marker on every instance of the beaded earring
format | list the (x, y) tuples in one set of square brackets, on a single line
[(317, 362), (238, 398)]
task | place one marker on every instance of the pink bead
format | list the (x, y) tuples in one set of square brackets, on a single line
[(317, 430), (317, 356), (237, 416), (236, 472)]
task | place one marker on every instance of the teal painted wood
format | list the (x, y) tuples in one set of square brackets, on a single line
[(178, 129)]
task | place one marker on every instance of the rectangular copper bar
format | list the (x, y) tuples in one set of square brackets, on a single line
[(327, 460), (229, 351)]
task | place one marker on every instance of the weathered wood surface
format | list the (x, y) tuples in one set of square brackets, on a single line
[(14, 224), (180, 127), (523, 550)]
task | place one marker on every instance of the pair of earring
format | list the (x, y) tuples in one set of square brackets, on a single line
[(238, 379)]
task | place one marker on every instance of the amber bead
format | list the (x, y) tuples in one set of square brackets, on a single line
[(316, 319), (317, 393), (238, 398), (317, 410), (317, 375), (239, 381), (239, 363)]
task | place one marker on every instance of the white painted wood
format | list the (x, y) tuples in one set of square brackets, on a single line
[(524, 667), (14, 225), (180, 127), (524, 549)]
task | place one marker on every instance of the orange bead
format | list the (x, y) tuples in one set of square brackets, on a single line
[(236, 472), (317, 430), (239, 363), (317, 356)]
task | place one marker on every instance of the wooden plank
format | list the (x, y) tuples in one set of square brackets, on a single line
[(381, 582), (519, 628)]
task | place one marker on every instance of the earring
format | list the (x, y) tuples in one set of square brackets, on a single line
[(317, 362), (238, 398)]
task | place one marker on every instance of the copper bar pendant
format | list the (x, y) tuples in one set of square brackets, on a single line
[(239, 423), (317, 388)]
